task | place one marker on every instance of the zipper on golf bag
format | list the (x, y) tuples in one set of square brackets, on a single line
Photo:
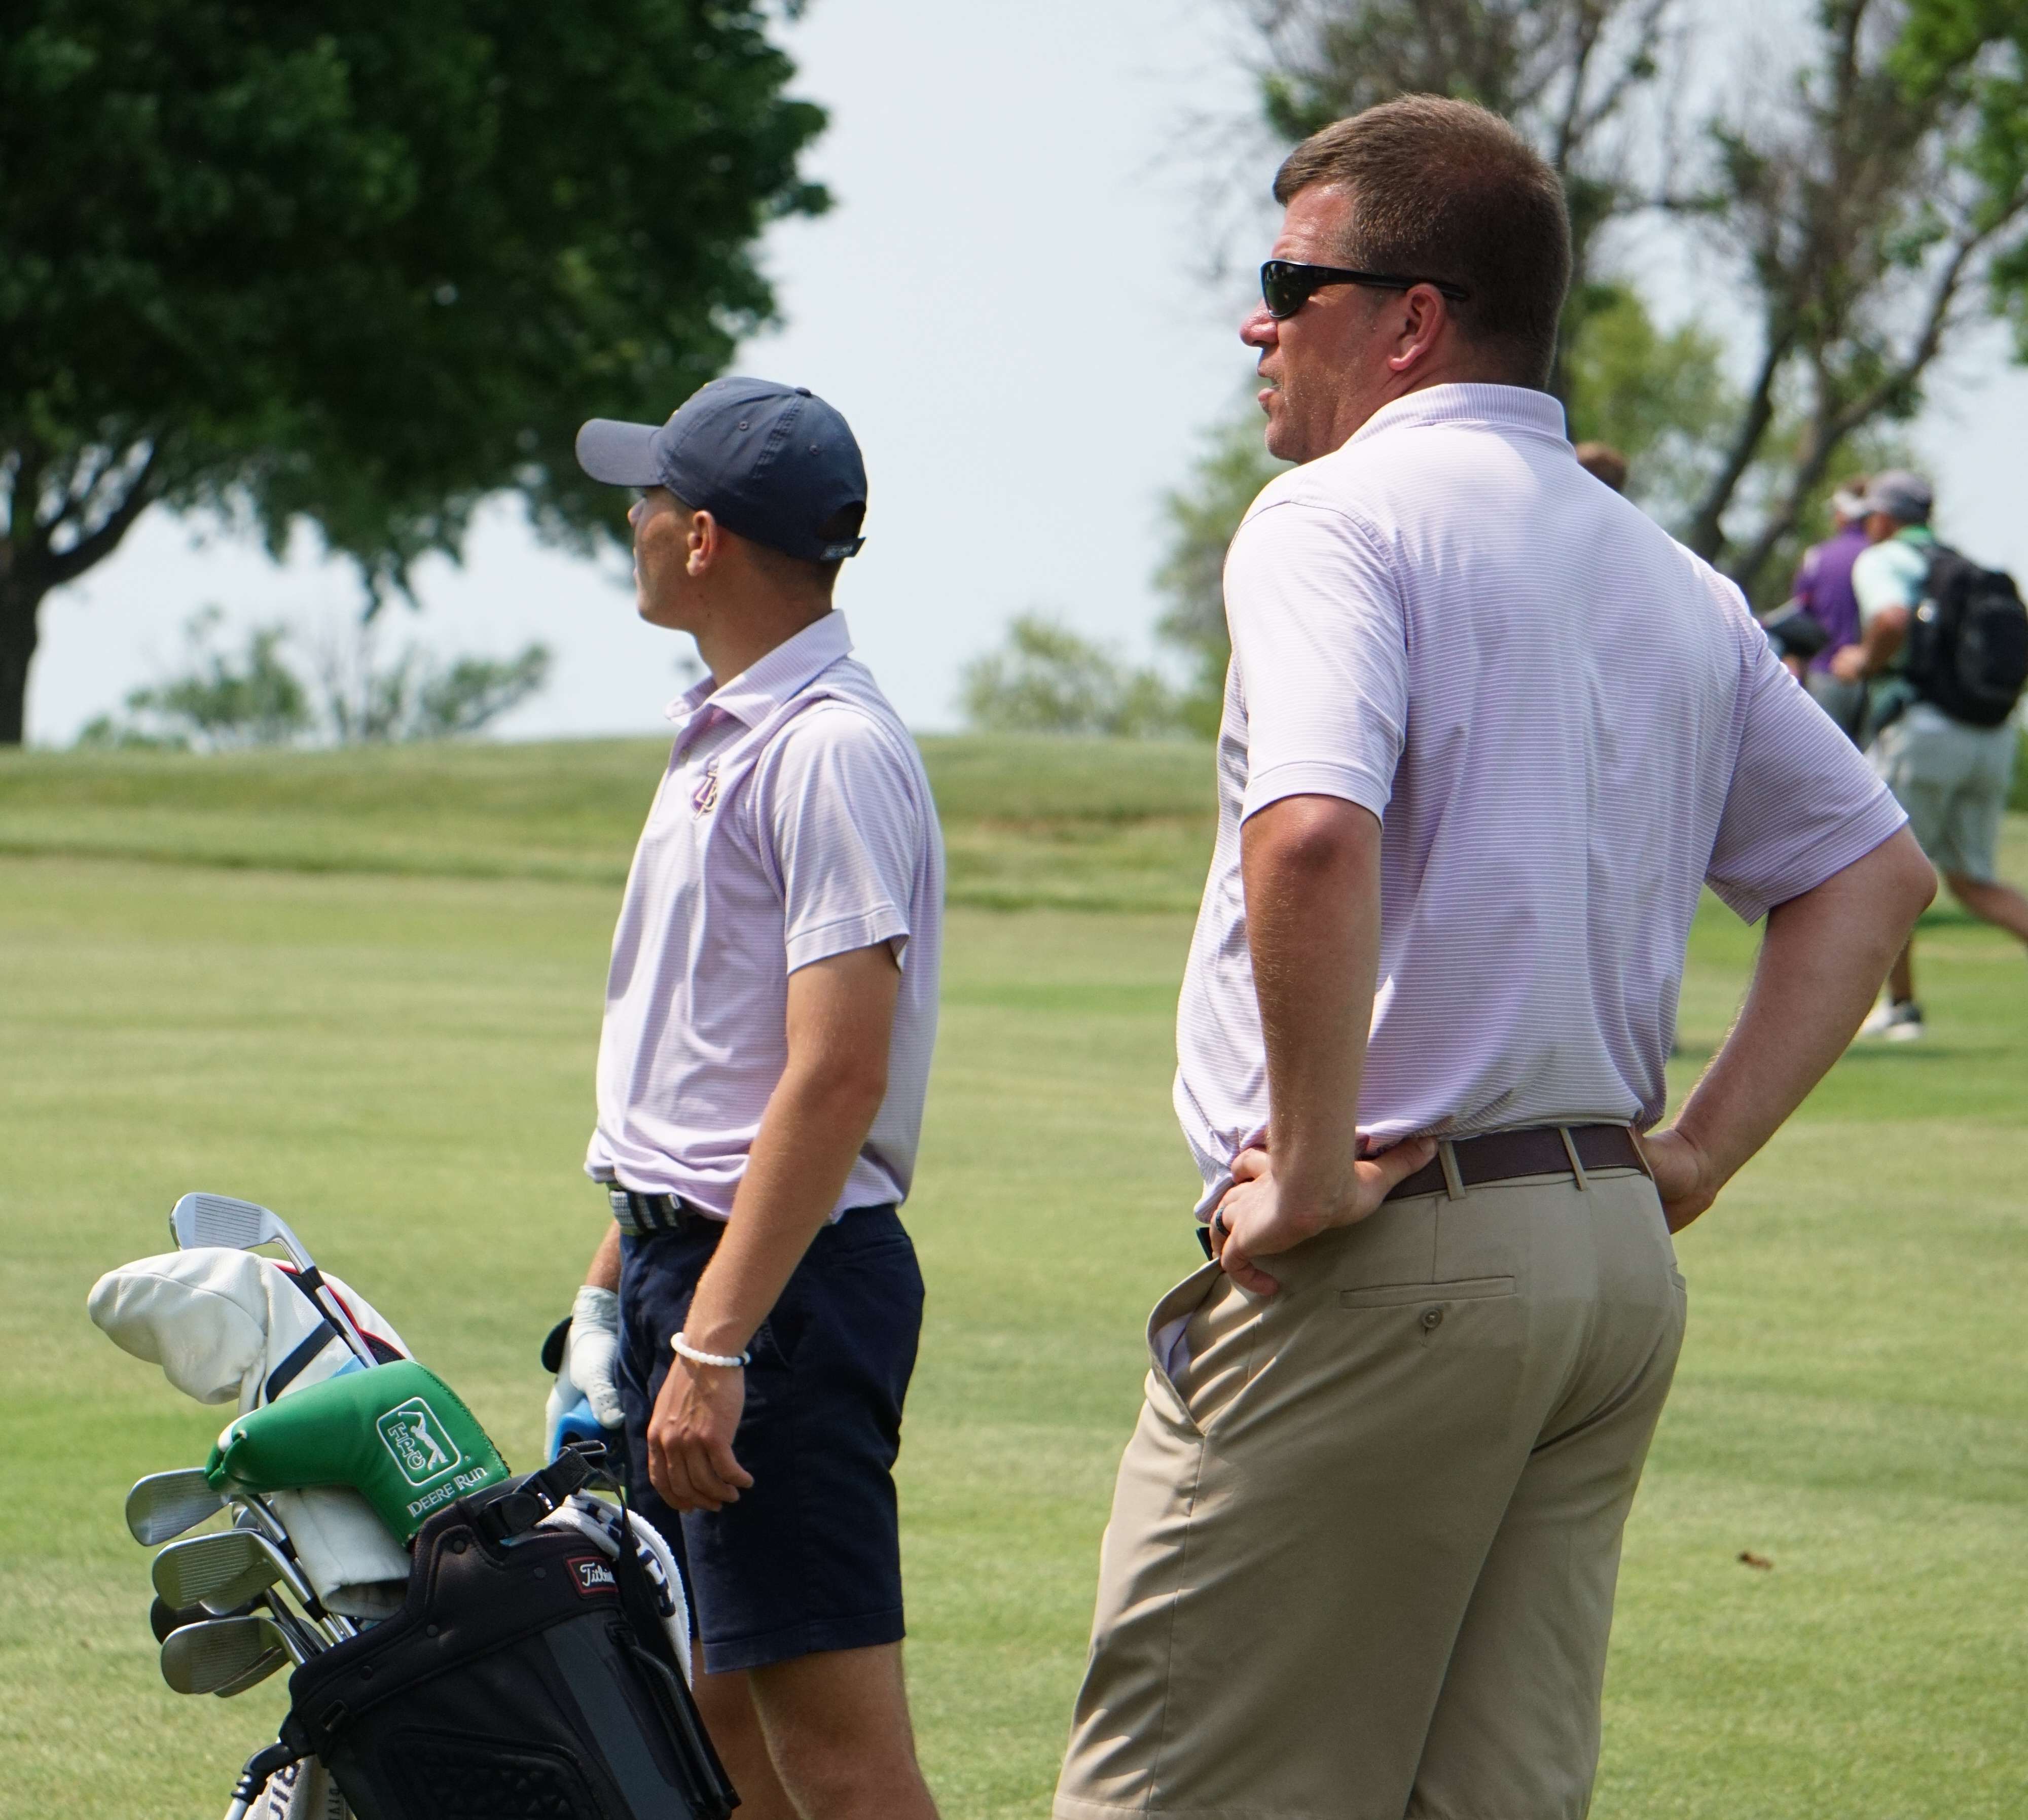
[(526, 1674)]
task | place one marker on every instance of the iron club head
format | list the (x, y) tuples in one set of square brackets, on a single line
[(237, 1225), (203, 1658), (220, 1571), (165, 1504), (226, 1221)]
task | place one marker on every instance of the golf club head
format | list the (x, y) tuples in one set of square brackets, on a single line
[(219, 1571), (223, 1220), (203, 1658), (164, 1617), (165, 1504), (252, 1678)]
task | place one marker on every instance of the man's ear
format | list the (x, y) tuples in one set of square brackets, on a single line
[(1425, 319), (705, 542)]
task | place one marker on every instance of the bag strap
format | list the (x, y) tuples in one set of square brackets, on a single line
[(651, 1642)]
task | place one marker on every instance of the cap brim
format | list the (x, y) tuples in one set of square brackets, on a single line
[(621, 454)]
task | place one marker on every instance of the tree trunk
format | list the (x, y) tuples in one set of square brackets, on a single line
[(19, 605)]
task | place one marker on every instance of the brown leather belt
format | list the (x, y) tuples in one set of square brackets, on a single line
[(1505, 1156)]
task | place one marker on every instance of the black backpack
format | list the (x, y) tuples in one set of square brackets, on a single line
[(1968, 641)]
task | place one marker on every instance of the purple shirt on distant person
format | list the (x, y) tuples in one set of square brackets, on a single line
[(1823, 586)]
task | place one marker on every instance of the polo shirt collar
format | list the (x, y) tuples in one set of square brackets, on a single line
[(754, 695), (1492, 407)]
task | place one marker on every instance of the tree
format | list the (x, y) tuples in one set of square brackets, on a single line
[(1867, 217), (256, 698), (1659, 396), (417, 696), (360, 266), (1232, 466), (220, 702), (1049, 680)]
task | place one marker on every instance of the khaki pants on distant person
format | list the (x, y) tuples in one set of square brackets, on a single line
[(1364, 1539)]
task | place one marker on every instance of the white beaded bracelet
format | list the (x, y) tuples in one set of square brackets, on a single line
[(725, 1362)]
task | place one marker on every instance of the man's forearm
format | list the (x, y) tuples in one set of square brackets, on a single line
[(604, 1272), (1312, 867), (816, 1121), (1821, 962)]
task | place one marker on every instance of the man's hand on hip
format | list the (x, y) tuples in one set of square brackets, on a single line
[(1257, 1217), (1684, 1176), (691, 1461)]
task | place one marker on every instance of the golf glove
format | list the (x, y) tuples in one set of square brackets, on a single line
[(591, 1350)]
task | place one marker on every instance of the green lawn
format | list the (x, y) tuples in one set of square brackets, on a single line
[(375, 1007)]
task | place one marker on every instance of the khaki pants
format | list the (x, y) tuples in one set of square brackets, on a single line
[(1364, 1539)]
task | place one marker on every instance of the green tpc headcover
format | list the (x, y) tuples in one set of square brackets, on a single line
[(397, 1433)]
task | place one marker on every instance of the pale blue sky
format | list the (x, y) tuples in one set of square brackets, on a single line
[(1010, 304)]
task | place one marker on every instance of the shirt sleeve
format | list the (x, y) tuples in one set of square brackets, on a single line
[(1802, 803), (1319, 636), (1888, 574), (842, 824)]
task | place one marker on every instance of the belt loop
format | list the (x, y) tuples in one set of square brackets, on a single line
[(1453, 1181), (1570, 1151)]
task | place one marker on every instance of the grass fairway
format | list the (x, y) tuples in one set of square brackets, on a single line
[(398, 1056)]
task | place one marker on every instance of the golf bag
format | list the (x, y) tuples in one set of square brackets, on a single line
[(527, 1674)]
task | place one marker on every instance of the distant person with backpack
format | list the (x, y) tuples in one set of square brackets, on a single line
[(1944, 643)]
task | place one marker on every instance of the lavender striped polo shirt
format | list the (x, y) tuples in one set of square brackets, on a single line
[(1567, 723), (794, 822)]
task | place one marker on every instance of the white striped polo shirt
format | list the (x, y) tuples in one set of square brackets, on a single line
[(1567, 723), (794, 822)]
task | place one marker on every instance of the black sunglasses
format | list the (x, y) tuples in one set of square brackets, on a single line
[(1286, 286)]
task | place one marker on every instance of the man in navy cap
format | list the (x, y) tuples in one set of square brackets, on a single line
[(751, 1317)]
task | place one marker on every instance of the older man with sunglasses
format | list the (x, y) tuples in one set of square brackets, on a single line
[(1364, 1540)]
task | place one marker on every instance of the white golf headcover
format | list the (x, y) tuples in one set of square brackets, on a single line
[(222, 1323)]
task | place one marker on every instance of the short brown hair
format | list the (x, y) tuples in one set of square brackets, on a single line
[(1604, 462), (1445, 189)]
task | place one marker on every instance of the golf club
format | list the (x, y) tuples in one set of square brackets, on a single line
[(164, 1617), (201, 1658), (220, 1571), (252, 1678), (222, 1220), (165, 1504), (302, 1639), (254, 1515)]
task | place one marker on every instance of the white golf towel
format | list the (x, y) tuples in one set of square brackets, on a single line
[(225, 1324)]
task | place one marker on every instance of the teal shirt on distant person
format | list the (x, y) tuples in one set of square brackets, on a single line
[(1892, 573)]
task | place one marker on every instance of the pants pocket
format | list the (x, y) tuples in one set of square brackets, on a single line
[(1398, 1295)]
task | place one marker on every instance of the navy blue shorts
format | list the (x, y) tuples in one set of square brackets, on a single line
[(809, 1559)]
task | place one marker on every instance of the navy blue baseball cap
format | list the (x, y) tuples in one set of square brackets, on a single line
[(773, 462)]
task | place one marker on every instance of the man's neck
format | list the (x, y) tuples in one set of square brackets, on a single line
[(732, 647), (1451, 373)]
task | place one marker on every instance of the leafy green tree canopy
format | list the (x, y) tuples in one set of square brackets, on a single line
[(1048, 679), (361, 265)]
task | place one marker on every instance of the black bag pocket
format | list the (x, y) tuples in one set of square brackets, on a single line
[(514, 1683)]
